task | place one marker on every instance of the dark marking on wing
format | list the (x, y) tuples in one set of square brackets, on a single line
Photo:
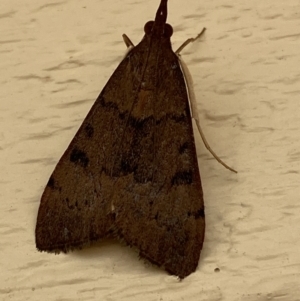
[(78, 156), (183, 147), (51, 183), (198, 214), (182, 178), (89, 130)]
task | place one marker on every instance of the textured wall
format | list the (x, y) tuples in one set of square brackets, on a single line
[(56, 57)]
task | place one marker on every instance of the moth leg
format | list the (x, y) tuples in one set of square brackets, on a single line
[(188, 41), (127, 41)]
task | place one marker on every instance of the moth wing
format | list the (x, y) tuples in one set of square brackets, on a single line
[(76, 205), (131, 170), (159, 203)]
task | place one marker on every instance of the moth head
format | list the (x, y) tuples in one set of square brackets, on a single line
[(152, 28)]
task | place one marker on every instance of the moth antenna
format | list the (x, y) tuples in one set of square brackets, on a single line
[(193, 107)]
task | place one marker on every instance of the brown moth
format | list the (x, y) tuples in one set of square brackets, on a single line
[(131, 170)]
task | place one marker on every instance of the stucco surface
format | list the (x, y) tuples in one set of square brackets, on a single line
[(55, 58)]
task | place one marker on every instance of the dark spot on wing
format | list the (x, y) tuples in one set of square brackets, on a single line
[(89, 130), (141, 124), (78, 156), (69, 204), (182, 178), (107, 104), (199, 213), (51, 183), (178, 118), (123, 115), (127, 167), (73, 205), (183, 147)]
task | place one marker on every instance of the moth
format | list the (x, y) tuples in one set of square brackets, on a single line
[(131, 170)]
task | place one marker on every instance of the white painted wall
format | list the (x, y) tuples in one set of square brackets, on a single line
[(54, 60)]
